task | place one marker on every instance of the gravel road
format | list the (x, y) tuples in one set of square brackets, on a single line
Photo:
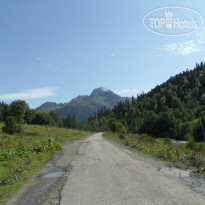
[(107, 174), (98, 171)]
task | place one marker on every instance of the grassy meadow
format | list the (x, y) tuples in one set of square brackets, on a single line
[(23, 154), (190, 155)]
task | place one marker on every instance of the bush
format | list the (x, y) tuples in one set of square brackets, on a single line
[(19, 128), (167, 141), (42, 118), (147, 138), (201, 146), (191, 144), (112, 124), (116, 126), (188, 137), (120, 128), (11, 126), (196, 146)]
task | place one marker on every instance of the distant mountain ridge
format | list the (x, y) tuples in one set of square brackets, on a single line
[(84, 106), (50, 106)]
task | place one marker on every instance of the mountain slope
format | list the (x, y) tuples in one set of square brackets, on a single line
[(84, 106), (50, 106), (173, 109), (105, 97)]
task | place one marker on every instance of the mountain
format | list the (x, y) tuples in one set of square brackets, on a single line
[(84, 106), (105, 97), (50, 106)]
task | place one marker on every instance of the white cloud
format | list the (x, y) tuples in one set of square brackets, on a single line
[(124, 91), (200, 36), (186, 47), (182, 48), (30, 94)]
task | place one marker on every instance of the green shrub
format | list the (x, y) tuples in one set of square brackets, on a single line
[(116, 126), (112, 124), (147, 138), (120, 128), (188, 137), (167, 141), (201, 146), (191, 144), (11, 126)]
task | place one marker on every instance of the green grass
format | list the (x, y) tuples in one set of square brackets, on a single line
[(22, 155), (164, 149)]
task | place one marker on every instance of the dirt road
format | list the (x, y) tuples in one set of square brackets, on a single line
[(103, 173)]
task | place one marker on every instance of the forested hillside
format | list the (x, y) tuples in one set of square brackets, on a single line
[(18, 113), (173, 109)]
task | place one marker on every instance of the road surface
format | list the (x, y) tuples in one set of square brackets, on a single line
[(107, 174), (98, 171)]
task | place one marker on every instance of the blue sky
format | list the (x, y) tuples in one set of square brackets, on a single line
[(55, 50)]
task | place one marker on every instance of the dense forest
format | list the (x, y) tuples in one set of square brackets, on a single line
[(174, 109), (18, 112)]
